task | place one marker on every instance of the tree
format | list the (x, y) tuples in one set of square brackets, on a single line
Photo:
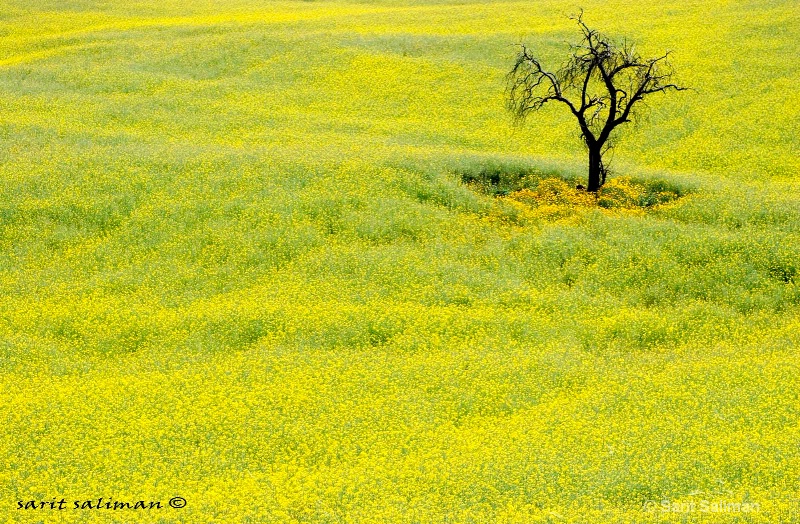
[(601, 83)]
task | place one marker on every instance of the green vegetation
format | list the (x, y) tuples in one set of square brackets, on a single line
[(255, 256)]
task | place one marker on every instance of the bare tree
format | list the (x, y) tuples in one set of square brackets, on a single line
[(600, 84)]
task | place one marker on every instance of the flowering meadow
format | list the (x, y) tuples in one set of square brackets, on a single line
[(252, 271)]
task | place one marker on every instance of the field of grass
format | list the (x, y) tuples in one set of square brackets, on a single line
[(240, 264)]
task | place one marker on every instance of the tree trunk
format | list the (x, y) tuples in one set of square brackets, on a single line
[(594, 169)]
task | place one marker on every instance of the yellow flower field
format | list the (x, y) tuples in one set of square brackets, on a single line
[(245, 277)]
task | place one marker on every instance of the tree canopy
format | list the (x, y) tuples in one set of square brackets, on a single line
[(601, 83)]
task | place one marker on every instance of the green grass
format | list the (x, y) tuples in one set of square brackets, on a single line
[(239, 264)]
